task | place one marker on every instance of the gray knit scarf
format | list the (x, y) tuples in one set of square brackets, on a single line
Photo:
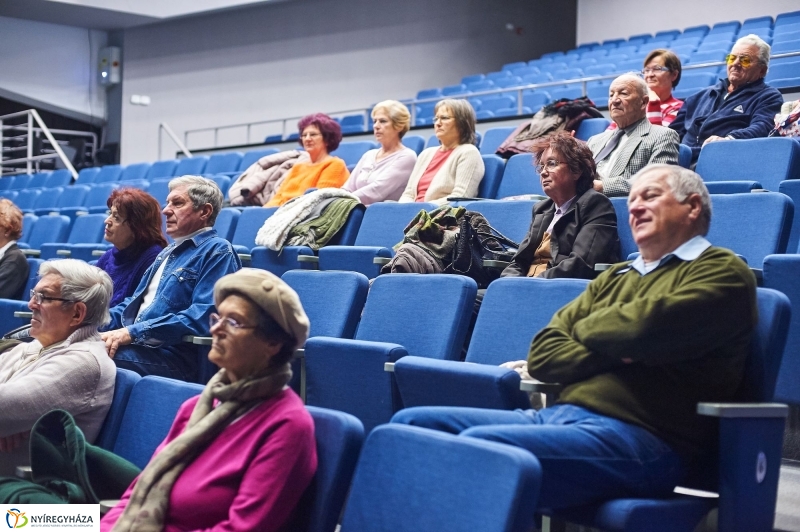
[(149, 502)]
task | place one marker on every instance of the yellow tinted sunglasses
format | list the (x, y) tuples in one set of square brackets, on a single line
[(744, 60)]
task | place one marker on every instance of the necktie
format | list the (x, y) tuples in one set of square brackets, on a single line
[(612, 143)]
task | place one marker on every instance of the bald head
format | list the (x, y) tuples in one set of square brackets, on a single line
[(627, 100)]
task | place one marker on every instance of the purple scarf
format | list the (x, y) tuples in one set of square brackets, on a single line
[(126, 267)]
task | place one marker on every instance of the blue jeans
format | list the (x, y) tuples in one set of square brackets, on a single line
[(164, 362), (585, 457)]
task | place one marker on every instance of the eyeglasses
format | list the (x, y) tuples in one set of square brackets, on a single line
[(443, 118), (744, 60), (228, 323), (310, 135), (654, 70), (115, 219), (551, 165), (41, 298)]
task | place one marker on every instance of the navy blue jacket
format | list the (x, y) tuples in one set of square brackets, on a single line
[(747, 113)]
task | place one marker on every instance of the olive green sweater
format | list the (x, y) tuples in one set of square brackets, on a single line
[(646, 349)]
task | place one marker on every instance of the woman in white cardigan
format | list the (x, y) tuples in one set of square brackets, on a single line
[(455, 168)]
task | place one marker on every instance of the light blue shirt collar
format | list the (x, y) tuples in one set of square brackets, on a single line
[(688, 251)]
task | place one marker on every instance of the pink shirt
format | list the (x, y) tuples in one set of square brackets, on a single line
[(660, 113), (249, 478), (439, 158)]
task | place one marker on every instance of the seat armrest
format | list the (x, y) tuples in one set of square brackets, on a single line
[(23, 314), (381, 260), (24, 472), (98, 253), (107, 504), (465, 199), (743, 410), (63, 252), (197, 340), (602, 266), (308, 258), (244, 257), (31, 252), (388, 367), (541, 387), (499, 264)]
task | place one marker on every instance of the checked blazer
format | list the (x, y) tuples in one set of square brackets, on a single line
[(646, 144)]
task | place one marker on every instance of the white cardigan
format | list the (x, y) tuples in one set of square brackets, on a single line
[(458, 177)]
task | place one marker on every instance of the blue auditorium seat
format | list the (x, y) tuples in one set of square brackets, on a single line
[(47, 201), (225, 225), (47, 229), (425, 94), (511, 81), (600, 69), (38, 180), (251, 157), (273, 138), (87, 230), (590, 127), (791, 188), (597, 91), (513, 311), (786, 46), (542, 77), (191, 166), (28, 220), (495, 75), (159, 189), (222, 163), (768, 161), (570, 92), (5, 182), (699, 31), (162, 169), (95, 202), (123, 386), (108, 174), (692, 82), (414, 142), (536, 100), (27, 198), (493, 137), (410, 478), (58, 178), (667, 35), (567, 74), (512, 111), (132, 172), (381, 228), (519, 177), (454, 90), (20, 181), (433, 141), (492, 175), (684, 155), (745, 472), (708, 57), (250, 221), (482, 85), (472, 79), (511, 218), (351, 152), (222, 181), (348, 375), (292, 136), (498, 102), (512, 66)]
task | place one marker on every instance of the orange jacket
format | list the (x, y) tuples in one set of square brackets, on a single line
[(330, 173)]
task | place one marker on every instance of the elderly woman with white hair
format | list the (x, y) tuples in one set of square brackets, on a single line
[(382, 174), (455, 167), (740, 106), (66, 366), (240, 455)]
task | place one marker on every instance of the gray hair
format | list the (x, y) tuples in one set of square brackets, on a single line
[(200, 191), (763, 48), (464, 115), (635, 78), (683, 183), (398, 114), (83, 282)]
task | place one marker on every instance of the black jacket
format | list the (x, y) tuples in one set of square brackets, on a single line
[(14, 271), (584, 236)]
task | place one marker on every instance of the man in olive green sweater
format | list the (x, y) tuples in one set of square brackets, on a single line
[(635, 352)]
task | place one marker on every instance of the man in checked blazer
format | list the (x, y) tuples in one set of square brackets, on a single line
[(635, 143)]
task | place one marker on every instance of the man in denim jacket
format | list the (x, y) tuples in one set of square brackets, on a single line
[(175, 295)]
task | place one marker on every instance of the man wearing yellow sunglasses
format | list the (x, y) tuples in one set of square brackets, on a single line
[(739, 107)]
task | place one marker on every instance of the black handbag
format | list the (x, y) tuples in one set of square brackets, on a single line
[(477, 240)]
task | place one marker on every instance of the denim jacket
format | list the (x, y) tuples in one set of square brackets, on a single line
[(185, 296)]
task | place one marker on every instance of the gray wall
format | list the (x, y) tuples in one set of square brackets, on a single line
[(599, 20), (52, 64), (294, 58)]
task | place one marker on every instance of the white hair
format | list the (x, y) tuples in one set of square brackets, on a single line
[(201, 191), (83, 282), (636, 79), (683, 183), (763, 48)]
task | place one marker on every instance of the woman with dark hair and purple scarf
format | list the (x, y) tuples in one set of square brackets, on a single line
[(134, 228), (319, 135)]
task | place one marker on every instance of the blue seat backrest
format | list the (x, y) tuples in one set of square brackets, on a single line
[(33, 275), (99, 193), (383, 223), (26, 199), (414, 142), (87, 229), (493, 138), (351, 152), (519, 177), (333, 300), (768, 161), (223, 162), (123, 386), (6, 182), (591, 126), (191, 166), (108, 174), (151, 410), (20, 181), (48, 198), (58, 178), (7, 309), (346, 236), (161, 169), (226, 221), (38, 180), (752, 225), (223, 182), (339, 439), (511, 218), (493, 168), (251, 157), (250, 221), (49, 229), (28, 220), (73, 196), (626, 243), (396, 306), (433, 142), (135, 171), (87, 175), (410, 478), (159, 189), (684, 155), (514, 309)]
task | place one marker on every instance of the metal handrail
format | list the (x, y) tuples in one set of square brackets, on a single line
[(163, 126), (412, 104), (33, 116)]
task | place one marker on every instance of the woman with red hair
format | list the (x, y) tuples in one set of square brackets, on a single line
[(319, 135), (134, 228)]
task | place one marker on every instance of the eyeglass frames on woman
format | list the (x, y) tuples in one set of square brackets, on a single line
[(551, 165), (228, 323), (443, 118), (744, 60), (654, 70), (41, 298)]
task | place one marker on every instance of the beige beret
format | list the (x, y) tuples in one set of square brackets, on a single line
[(271, 294)]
